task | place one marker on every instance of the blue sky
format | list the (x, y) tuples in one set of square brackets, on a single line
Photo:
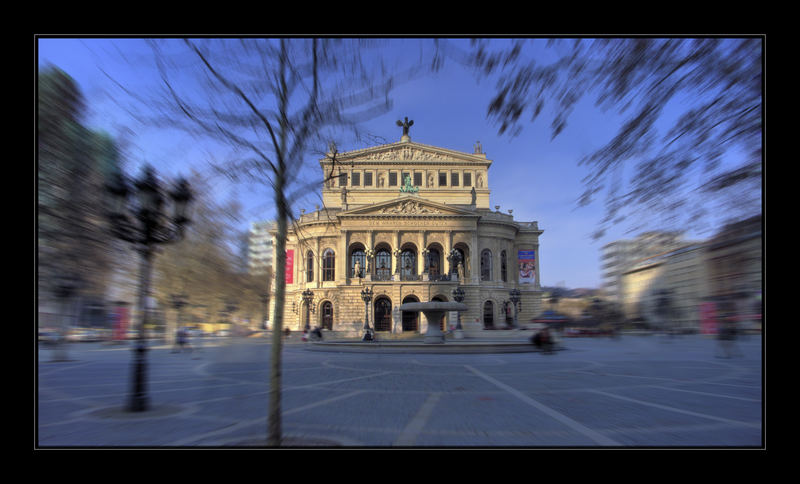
[(537, 177)]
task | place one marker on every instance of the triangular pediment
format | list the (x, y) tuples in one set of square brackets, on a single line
[(407, 151), (408, 206)]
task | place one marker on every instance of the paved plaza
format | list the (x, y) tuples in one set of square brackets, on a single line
[(634, 391)]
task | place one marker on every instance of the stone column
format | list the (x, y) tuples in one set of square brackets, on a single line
[(420, 247), (475, 259)]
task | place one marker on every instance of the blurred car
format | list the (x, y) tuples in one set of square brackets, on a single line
[(84, 335), (551, 318), (48, 336)]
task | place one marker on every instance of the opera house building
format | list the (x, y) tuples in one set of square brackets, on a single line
[(408, 222)]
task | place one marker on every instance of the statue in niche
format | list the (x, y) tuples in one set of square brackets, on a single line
[(480, 181)]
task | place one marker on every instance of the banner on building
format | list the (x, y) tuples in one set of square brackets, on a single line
[(120, 323), (290, 266), (527, 266)]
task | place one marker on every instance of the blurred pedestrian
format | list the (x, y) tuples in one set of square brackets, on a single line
[(727, 337), (543, 340), (181, 341)]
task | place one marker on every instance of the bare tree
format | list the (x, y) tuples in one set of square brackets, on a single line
[(714, 85), (273, 102)]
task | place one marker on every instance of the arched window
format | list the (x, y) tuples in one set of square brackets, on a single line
[(408, 263), (434, 262), (486, 265), (383, 264), (328, 265), (503, 267), (310, 266)]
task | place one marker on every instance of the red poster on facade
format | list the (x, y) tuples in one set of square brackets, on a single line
[(120, 323), (708, 318), (290, 266)]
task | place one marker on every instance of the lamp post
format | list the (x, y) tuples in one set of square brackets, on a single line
[(308, 297), (145, 224), (514, 295), (458, 296), (366, 295)]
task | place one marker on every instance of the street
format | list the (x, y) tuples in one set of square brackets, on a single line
[(634, 391)]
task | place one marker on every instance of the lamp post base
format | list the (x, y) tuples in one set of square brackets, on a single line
[(139, 402)]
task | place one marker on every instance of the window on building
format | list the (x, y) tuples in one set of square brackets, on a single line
[(417, 179), (467, 179), (503, 267), (343, 179), (368, 179), (355, 179), (408, 263), (383, 264), (486, 265), (310, 266), (454, 179), (403, 177), (328, 265), (442, 179), (392, 178)]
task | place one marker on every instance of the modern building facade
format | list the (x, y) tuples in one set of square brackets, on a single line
[(619, 256), (411, 223), (260, 247), (699, 281)]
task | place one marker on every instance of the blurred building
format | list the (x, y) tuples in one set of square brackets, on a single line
[(619, 256), (734, 261), (678, 286), (411, 222), (667, 288), (260, 247)]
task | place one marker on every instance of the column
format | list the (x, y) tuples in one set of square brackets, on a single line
[(422, 243)]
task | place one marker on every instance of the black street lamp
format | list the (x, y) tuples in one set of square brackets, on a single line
[(458, 295), (143, 223), (366, 296), (514, 295), (308, 297)]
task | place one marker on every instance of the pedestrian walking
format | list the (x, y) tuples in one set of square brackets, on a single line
[(727, 338), (543, 340), (181, 341)]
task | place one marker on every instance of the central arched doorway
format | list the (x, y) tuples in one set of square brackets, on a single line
[(383, 314), (410, 319)]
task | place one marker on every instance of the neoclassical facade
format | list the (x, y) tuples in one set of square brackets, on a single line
[(410, 222)]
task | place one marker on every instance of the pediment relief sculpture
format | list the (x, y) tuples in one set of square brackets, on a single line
[(412, 207)]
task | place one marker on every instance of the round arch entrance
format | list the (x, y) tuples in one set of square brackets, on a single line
[(410, 319), (488, 315), (383, 314)]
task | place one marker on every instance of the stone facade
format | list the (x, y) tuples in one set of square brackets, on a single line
[(411, 222)]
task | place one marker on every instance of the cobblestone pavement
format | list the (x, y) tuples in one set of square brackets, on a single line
[(635, 391)]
